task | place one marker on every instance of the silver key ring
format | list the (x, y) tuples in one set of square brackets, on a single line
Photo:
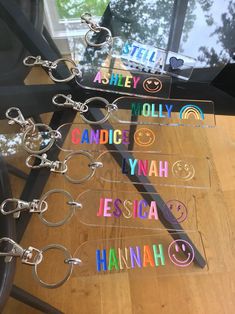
[(72, 206), (67, 256), (62, 100), (95, 28), (92, 165), (69, 78), (61, 166), (47, 147), (31, 61), (108, 39), (108, 106)]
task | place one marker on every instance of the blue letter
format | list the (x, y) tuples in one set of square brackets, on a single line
[(100, 261)]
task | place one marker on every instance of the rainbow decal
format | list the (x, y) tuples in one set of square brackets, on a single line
[(191, 111)]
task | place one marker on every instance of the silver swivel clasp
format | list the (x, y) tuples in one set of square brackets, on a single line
[(16, 117), (17, 206), (30, 256), (55, 166)]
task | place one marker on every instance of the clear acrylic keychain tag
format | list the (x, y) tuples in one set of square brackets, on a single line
[(80, 136), (123, 81), (135, 55), (155, 169), (169, 210), (162, 254), (145, 168), (108, 79), (173, 112)]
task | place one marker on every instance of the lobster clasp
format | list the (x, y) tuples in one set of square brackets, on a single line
[(16, 205), (55, 166), (31, 61), (15, 116), (86, 17), (30, 256), (68, 102), (43, 161), (15, 250)]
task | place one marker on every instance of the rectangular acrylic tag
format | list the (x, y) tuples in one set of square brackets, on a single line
[(162, 254), (175, 112), (81, 136), (155, 169), (150, 59), (124, 82), (170, 209)]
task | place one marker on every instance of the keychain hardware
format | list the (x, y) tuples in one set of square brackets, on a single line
[(16, 117), (73, 261), (154, 252), (69, 103), (83, 107), (61, 166), (31, 61), (40, 206), (33, 257), (32, 207), (55, 166), (115, 80), (28, 127), (24, 254), (94, 27), (164, 169)]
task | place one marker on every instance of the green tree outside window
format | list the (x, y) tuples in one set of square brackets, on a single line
[(69, 9)]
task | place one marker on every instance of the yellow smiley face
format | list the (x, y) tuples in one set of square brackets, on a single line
[(144, 137), (152, 85)]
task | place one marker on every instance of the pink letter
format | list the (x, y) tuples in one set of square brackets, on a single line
[(98, 77), (106, 207), (153, 211), (136, 80), (163, 169)]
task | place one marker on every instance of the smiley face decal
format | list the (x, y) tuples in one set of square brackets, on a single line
[(181, 253), (144, 137), (152, 84), (178, 210), (183, 170)]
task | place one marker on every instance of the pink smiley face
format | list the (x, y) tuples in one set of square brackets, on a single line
[(181, 253)]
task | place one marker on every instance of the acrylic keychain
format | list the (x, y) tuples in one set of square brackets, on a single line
[(166, 210), (162, 254), (159, 111), (172, 112), (150, 59), (142, 57), (118, 81), (80, 136), (146, 168)]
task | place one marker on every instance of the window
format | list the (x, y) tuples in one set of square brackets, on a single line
[(64, 23)]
